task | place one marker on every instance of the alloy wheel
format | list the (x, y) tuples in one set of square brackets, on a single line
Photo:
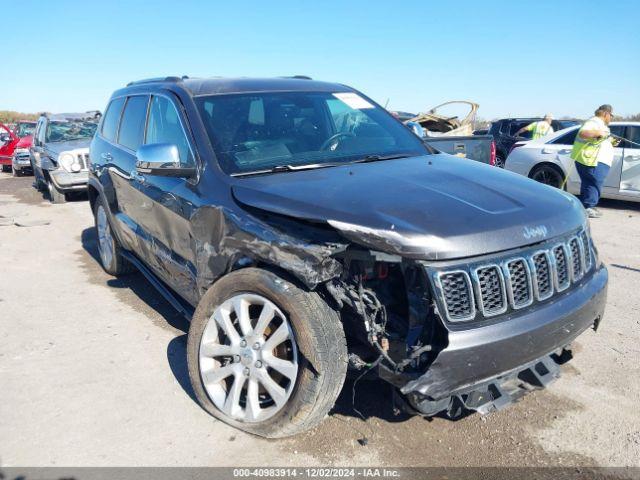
[(248, 358), (105, 239), (548, 176)]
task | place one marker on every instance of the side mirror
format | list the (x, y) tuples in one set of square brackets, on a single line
[(163, 160)]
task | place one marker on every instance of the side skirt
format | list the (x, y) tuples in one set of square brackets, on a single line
[(180, 305)]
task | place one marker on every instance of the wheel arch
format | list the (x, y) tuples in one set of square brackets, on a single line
[(540, 165), (93, 194)]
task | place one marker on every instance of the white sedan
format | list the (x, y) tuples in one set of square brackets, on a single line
[(547, 160)]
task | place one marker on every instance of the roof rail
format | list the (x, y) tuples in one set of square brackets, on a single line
[(299, 77), (172, 79)]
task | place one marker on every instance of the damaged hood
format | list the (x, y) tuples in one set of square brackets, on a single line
[(434, 207), (59, 147)]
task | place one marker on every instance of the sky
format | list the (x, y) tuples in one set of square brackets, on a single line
[(514, 58)]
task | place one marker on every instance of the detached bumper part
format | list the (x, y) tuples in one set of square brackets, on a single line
[(496, 394)]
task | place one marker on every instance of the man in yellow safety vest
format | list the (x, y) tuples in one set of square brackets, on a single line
[(593, 155), (538, 129)]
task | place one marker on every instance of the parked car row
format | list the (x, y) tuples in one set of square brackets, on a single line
[(504, 132), (548, 160), (15, 141)]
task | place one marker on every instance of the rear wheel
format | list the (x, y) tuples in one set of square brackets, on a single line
[(110, 251), (6, 168), (265, 356), (549, 175), (499, 161)]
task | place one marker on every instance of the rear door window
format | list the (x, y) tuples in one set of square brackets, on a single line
[(566, 139), (515, 126), (133, 121), (633, 134), (111, 119), (626, 133), (164, 127)]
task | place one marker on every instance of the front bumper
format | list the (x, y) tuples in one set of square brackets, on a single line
[(21, 164), (69, 182), (490, 355)]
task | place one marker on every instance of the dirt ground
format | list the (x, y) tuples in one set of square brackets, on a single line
[(93, 372)]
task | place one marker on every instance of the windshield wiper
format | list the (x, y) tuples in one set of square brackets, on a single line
[(380, 158), (286, 168)]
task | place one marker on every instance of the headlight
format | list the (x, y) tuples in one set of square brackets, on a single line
[(66, 160), (69, 162)]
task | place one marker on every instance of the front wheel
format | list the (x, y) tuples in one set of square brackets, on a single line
[(264, 355), (55, 195), (549, 175)]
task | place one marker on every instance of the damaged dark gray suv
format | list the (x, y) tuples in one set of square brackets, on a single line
[(305, 231)]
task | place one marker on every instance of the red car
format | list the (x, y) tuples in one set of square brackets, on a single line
[(21, 161), (8, 142)]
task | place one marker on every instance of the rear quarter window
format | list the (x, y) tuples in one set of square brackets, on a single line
[(567, 138), (111, 119)]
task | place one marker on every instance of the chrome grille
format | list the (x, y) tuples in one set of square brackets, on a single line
[(576, 260), (82, 160), (491, 294), (519, 283), (458, 296), (587, 250), (542, 271), (489, 290), (562, 267)]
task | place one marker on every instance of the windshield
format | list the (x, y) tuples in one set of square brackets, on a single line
[(66, 131), (25, 129), (260, 131)]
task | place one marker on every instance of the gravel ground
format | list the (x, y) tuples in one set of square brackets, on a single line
[(93, 372)]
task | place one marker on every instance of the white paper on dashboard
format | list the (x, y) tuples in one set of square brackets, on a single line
[(353, 100)]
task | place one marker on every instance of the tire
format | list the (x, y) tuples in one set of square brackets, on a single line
[(16, 173), (500, 161), (6, 168), (109, 249), (55, 195), (316, 342), (549, 175)]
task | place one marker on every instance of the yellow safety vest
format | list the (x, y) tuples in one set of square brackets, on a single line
[(585, 151), (539, 129)]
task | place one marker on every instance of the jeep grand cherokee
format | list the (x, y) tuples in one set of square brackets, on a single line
[(304, 231)]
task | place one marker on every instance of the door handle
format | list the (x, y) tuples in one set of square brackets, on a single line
[(107, 156), (564, 151), (548, 150), (632, 158), (134, 175)]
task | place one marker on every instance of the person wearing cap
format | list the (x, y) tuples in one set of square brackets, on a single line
[(538, 129), (593, 155)]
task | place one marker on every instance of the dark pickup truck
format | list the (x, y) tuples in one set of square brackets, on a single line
[(304, 230)]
